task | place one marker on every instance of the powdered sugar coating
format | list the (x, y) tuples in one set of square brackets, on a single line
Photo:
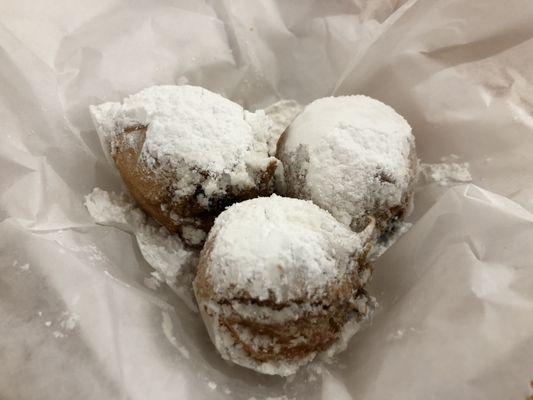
[(286, 248), (198, 135), (212, 312), (282, 114), (348, 154), (228, 349), (172, 261), (445, 173)]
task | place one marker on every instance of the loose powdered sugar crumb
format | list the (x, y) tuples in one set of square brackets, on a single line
[(212, 385), (282, 114), (25, 267), (173, 263), (68, 320), (153, 282), (165, 253), (396, 335), (446, 173), (114, 210)]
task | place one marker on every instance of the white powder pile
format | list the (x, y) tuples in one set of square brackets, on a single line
[(59, 335), (154, 281), (297, 251), (347, 154), (198, 136), (23, 267), (173, 263), (69, 320), (446, 173), (114, 210), (282, 113)]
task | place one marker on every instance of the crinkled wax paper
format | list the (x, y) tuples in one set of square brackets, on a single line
[(456, 292)]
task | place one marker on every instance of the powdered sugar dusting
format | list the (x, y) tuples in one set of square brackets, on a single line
[(229, 350), (298, 249), (348, 152), (69, 320), (282, 114), (367, 306), (197, 135), (164, 252), (446, 173), (173, 263), (58, 335), (153, 282), (25, 267), (114, 210)]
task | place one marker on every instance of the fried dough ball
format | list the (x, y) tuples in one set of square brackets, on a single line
[(280, 281), (186, 153), (353, 156)]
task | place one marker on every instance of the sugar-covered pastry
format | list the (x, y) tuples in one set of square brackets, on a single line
[(353, 156), (186, 153), (280, 281)]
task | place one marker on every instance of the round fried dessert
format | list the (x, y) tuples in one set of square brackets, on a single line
[(353, 156), (279, 281), (186, 153)]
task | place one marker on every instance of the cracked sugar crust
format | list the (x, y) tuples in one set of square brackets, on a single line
[(351, 155), (277, 248)]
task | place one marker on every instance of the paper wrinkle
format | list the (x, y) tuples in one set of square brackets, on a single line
[(455, 292)]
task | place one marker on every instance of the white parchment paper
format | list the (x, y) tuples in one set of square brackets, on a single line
[(456, 292)]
